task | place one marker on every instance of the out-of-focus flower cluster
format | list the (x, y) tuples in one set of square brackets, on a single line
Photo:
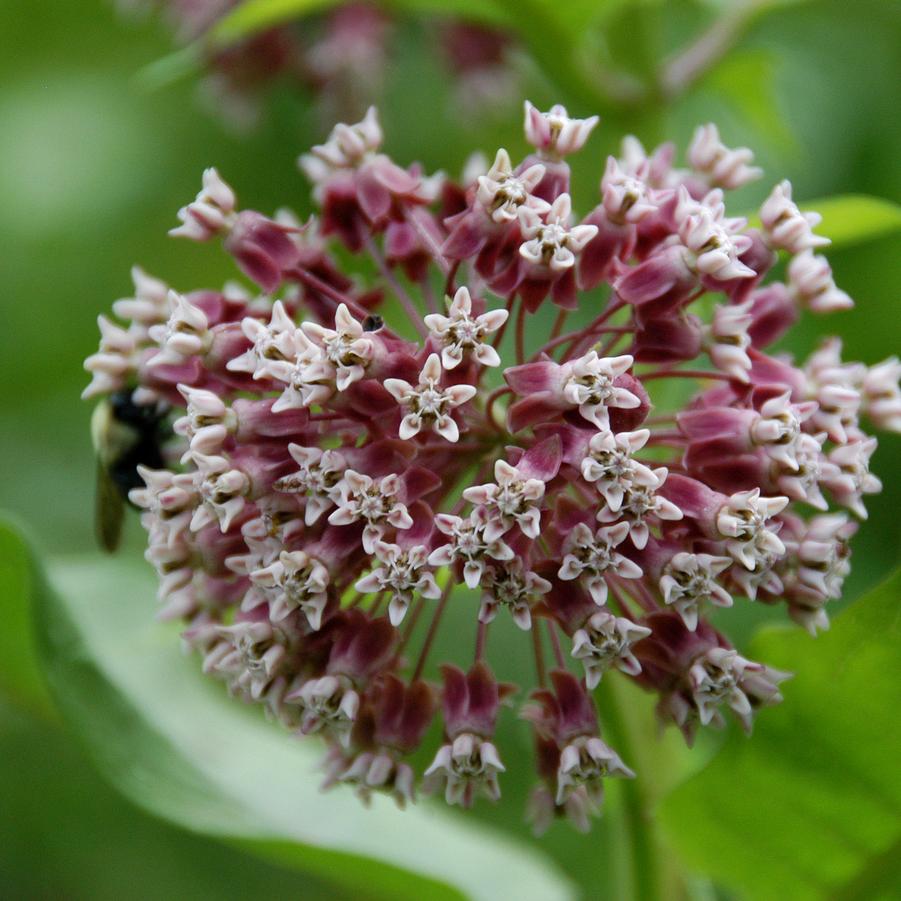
[(338, 484), (340, 56)]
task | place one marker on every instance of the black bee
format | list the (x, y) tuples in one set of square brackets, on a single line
[(125, 434)]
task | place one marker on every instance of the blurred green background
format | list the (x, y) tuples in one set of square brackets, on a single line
[(92, 170)]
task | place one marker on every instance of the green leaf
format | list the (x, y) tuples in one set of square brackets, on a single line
[(851, 219), (20, 583), (856, 218), (810, 806), (252, 16), (174, 743), (759, 108), (186, 62)]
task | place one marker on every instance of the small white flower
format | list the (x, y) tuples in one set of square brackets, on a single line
[(207, 421), (777, 429), (785, 227), (721, 675), (689, 581), (852, 479), (346, 349), (551, 242), (329, 705), (626, 198), (469, 544), (835, 386), (590, 387), (727, 339), (810, 280), (803, 482), (403, 573), (882, 396), (295, 581), (308, 376), (606, 641), (742, 522), (586, 762), (609, 465), (248, 655), (149, 306), (640, 502), (502, 194), (272, 343), (763, 577), (590, 555), (222, 490), (185, 334), (346, 147), (715, 247), (319, 473), (513, 500), (114, 362), (722, 166), (823, 554), (459, 332), (428, 404), (514, 587), (212, 211), (377, 772), (555, 134), (360, 497), (169, 499), (468, 766)]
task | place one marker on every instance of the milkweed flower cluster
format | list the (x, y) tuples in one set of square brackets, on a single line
[(354, 458), (339, 55)]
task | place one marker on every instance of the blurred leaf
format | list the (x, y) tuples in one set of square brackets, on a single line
[(20, 583), (811, 807), (489, 12), (759, 107), (176, 744), (252, 16), (67, 834), (852, 219), (186, 62), (575, 16), (855, 218)]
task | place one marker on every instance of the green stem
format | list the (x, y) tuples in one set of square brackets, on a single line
[(646, 880)]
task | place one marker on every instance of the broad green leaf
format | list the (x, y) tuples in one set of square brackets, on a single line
[(174, 743), (810, 806), (20, 583), (851, 219), (68, 834)]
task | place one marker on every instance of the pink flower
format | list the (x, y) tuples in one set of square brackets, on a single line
[(554, 134), (429, 405), (460, 332), (332, 498), (721, 166)]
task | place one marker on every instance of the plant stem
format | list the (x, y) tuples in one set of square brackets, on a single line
[(521, 334), (680, 71), (639, 823), (405, 300), (539, 656), (433, 629)]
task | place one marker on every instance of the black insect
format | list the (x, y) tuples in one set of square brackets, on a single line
[(125, 434)]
